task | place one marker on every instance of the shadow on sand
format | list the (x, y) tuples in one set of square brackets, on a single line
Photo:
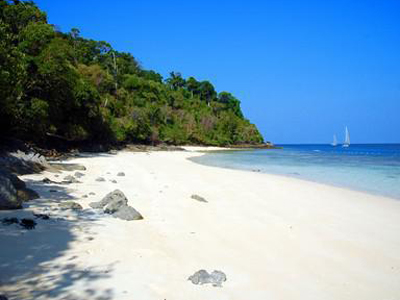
[(38, 263)]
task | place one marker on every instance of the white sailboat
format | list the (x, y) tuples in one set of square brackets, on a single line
[(347, 139), (334, 143)]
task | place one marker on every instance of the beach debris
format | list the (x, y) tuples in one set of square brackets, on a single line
[(198, 198), (41, 216), (216, 278), (116, 204), (121, 174), (70, 205), (79, 174), (100, 179), (28, 223)]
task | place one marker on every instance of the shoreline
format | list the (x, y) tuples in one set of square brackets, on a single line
[(273, 236)]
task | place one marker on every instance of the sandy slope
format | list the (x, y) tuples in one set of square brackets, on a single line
[(274, 237)]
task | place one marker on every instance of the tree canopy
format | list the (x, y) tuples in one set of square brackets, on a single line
[(55, 83)]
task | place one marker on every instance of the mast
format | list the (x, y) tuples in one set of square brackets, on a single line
[(347, 138), (334, 143)]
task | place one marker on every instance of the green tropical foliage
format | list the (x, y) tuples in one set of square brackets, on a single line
[(64, 85)]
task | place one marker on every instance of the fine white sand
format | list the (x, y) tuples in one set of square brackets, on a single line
[(274, 237)]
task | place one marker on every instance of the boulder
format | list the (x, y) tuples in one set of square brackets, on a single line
[(216, 278), (114, 201), (8, 194), (121, 174), (70, 205), (17, 183), (116, 204), (127, 213)]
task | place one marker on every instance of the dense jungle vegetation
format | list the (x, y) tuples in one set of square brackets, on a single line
[(55, 84)]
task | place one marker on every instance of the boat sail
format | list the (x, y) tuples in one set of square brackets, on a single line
[(334, 143), (347, 139)]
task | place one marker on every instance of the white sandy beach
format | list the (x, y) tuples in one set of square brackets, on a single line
[(274, 237)]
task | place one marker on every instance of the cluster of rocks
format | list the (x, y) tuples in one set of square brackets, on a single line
[(13, 191), (24, 223), (116, 204), (216, 278)]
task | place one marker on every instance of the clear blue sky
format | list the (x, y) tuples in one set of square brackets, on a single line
[(302, 69)]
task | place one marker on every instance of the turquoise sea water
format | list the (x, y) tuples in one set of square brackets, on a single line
[(373, 168)]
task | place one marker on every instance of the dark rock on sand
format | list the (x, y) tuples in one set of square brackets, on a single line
[(121, 174), (113, 181), (91, 193), (216, 278), (100, 179), (8, 194), (85, 196), (70, 205), (198, 198), (28, 223)]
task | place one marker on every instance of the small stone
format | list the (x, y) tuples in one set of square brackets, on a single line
[(121, 174), (70, 205), (53, 191), (91, 193), (113, 181), (198, 198), (47, 180), (85, 196), (100, 179), (216, 278), (28, 223), (70, 179), (79, 174)]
